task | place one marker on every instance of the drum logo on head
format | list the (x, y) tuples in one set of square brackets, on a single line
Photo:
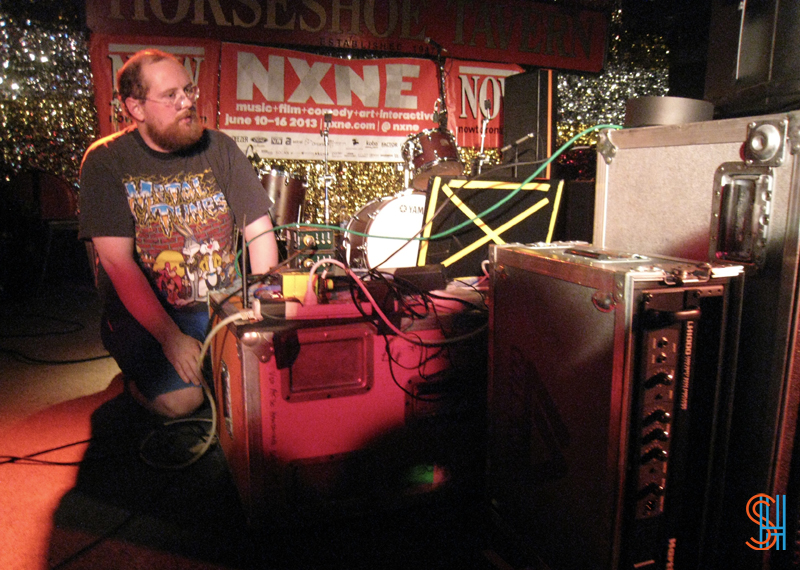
[(409, 209)]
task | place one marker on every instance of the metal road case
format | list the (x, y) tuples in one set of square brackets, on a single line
[(324, 417), (725, 190), (608, 382)]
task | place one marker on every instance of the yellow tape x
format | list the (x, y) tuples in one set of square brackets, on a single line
[(491, 234)]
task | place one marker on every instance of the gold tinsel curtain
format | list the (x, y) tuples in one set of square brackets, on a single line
[(48, 117)]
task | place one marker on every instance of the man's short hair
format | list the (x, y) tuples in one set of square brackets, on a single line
[(129, 77)]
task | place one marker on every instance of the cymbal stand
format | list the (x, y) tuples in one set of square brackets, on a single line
[(408, 167), (327, 179)]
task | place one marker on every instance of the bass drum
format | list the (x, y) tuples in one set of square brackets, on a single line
[(288, 193), (431, 153), (398, 216)]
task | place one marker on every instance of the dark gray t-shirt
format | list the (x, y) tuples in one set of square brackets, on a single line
[(180, 208)]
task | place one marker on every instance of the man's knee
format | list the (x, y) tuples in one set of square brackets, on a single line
[(179, 403)]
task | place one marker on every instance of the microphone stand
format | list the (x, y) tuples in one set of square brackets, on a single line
[(408, 167), (481, 158), (326, 178), (515, 146)]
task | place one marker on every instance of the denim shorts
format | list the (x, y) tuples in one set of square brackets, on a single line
[(139, 354)]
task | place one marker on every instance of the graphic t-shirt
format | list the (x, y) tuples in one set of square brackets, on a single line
[(180, 208)]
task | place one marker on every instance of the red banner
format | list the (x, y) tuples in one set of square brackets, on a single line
[(108, 54), (474, 93), (554, 36), (275, 103)]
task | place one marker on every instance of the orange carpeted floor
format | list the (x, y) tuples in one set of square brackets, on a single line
[(84, 499)]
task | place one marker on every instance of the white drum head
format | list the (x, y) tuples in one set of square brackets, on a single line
[(399, 217)]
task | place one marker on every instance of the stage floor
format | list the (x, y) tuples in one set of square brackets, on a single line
[(105, 508)]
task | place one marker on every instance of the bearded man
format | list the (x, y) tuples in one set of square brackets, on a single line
[(166, 183)]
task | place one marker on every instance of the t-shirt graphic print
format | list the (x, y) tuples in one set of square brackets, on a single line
[(184, 235)]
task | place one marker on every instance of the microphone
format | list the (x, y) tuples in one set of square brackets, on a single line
[(488, 106), (517, 142), (327, 120), (436, 45)]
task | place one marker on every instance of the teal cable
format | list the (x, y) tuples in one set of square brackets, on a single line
[(454, 229)]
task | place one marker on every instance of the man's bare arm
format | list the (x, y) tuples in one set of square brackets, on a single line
[(263, 248), (183, 351)]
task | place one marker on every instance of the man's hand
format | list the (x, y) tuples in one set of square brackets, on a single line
[(116, 255), (183, 351)]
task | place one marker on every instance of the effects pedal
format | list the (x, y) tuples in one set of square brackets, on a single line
[(306, 245)]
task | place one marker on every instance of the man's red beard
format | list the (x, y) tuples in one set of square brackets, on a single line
[(177, 135)]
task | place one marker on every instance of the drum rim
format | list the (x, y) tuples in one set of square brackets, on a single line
[(442, 130), (284, 173)]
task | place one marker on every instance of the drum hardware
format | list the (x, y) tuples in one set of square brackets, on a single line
[(438, 47), (480, 159), (433, 152), (515, 146), (440, 113), (407, 167), (327, 179)]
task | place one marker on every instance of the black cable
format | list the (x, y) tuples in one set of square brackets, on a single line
[(96, 542), (29, 459), (76, 326), (410, 394), (32, 360), (114, 530)]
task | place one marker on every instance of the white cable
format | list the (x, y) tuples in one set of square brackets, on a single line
[(251, 314), (311, 297), (484, 267)]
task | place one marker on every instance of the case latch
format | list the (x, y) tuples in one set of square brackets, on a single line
[(606, 148), (741, 213), (259, 343), (766, 142)]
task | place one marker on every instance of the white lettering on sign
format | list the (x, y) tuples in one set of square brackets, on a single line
[(349, 83), (310, 82), (251, 75), (481, 93), (250, 72), (395, 85)]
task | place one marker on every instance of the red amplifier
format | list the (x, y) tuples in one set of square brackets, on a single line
[(327, 414)]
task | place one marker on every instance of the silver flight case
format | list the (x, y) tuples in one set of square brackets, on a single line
[(726, 190)]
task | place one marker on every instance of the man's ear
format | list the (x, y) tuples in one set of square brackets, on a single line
[(134, 108)]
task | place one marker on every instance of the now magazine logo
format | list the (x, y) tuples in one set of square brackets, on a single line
[(771, 530)]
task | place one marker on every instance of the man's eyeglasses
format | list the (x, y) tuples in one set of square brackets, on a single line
[(174, 97)]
